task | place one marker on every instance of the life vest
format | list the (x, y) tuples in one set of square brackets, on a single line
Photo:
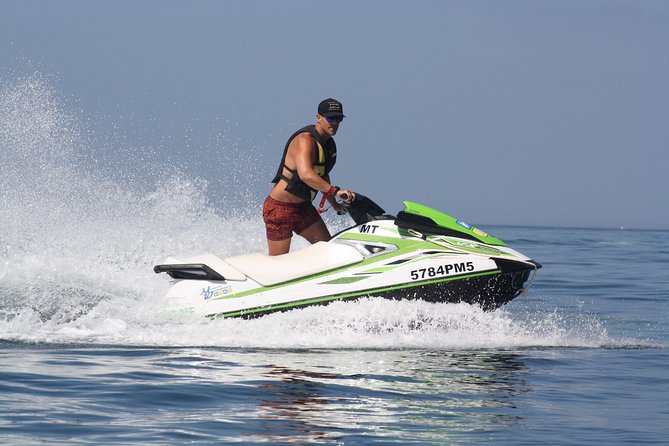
[(327, 156)]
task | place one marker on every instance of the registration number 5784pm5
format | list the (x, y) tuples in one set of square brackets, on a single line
[(442, 270)]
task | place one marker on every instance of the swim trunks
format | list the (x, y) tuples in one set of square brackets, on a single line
[(282, 219)]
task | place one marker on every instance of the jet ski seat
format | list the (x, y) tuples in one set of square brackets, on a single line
[(316, 258)]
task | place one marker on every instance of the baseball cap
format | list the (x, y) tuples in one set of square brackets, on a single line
[(330, 107)]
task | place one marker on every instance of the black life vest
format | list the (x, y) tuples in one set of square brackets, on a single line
[(327, 156)]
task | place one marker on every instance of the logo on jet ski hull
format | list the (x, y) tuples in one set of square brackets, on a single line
[(216, 292)]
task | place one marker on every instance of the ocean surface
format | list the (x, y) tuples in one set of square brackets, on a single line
[(86, 357)]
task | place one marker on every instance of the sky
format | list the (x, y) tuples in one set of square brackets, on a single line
[(524, 112)]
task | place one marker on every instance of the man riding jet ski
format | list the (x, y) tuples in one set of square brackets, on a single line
[(419, 254)]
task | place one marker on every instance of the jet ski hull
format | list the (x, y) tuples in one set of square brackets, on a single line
[(489, 292)]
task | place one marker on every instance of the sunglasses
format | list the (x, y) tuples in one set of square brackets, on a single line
[(337, 119)]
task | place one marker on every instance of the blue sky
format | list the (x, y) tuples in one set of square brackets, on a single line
[(510, 112)]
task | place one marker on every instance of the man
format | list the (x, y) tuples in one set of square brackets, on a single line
[(308, 158)]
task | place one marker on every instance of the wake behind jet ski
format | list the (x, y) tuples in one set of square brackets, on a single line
[(419, 254)]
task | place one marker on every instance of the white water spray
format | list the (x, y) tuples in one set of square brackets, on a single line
[(77, 247)]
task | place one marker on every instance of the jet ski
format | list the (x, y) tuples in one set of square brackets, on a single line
[(420, 253)]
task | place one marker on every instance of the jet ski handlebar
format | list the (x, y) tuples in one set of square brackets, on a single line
[(362, 209)]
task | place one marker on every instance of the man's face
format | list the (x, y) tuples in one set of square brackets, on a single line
[(330, 124)]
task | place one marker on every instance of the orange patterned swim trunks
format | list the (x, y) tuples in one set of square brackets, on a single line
[(282, 219)]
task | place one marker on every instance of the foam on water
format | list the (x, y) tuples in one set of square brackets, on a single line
[(77, 246)]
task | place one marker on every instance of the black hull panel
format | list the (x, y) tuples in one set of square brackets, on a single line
[(488, 292)]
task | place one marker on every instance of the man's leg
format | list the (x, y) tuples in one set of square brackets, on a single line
[(278, 247), (317, 232)]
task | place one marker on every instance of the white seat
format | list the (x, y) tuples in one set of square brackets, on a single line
[(319, 257)]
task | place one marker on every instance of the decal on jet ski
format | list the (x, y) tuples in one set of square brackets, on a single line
[(476, 231), (463, 224), (365, 229), (468, 246), (442, 270), (216, 292)]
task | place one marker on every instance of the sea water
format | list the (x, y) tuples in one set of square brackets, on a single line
[(87, 358)]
